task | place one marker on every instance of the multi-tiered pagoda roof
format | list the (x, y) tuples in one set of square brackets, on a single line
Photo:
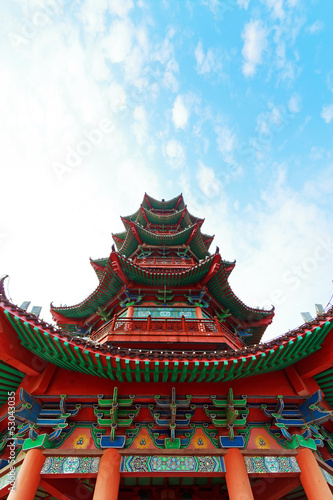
[(163, 246)]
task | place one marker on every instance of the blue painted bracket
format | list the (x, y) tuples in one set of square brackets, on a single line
[(237, 442), (118, 442)]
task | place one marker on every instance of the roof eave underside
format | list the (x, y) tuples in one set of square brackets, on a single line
[(221, 291), (109, 286)]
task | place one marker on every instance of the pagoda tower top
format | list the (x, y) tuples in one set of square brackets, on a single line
[(160, 267)]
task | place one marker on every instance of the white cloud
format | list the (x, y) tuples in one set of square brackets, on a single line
[(327, 113), (213, 5), (175, 154), (278, 237), (116, 96), (206, 62), (294, 103), (120, 7), (92, 14), (207, 181), (243, 3), (270, 121), (316, 27), (316, 153), (180, 113), (255, 43), (117, 45), (164, 53), (140, 125), (226, 142), (276, 6)]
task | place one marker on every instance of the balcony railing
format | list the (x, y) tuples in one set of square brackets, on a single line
[(165, 261), (162, 212), (163, 229), (166, 326)]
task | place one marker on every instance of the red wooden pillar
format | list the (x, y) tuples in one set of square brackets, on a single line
[(130, 312), (238, 483), (108, 477), (312, 479), (28, 477), (198, 312)]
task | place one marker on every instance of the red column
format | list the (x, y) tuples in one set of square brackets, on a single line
[(28, 477), (312, 479), (130, 312), (198, 312), (108, 477), (238, 483)]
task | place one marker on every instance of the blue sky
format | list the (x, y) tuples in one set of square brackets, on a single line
[(229, 102)]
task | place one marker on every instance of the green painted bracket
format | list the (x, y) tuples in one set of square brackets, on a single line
[(122, 413), (172, 445), (42, 441), (230, 401), (298, 441)]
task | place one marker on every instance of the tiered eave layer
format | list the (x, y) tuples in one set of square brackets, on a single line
[(130, 365)]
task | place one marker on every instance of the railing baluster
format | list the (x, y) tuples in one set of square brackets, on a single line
[(217, 324), (113, 322)]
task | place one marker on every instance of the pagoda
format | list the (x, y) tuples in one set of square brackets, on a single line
[(157, 386)]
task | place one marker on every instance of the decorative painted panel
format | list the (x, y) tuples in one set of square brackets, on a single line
[(138, 463), (274, 465), (164, 312), (70, 465)]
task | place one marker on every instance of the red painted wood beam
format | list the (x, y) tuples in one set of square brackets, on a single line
[(135, 233), (297, 381), (67, 488), (53, 491), (4, 491), (185, 338), (40, 384), (214, 267), (274, 489), (193, 233), (182, 216), (142, 210), (319, 361), (116, 266), (147, 200), (178, 201), (11, 350)]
